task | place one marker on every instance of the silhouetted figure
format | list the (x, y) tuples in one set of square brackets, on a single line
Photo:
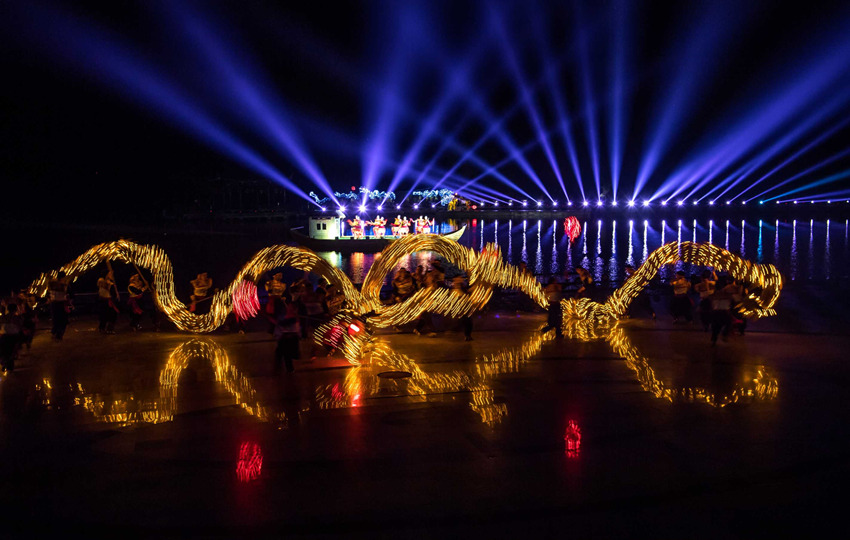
[(60, 305), (721, 315), (680, 305), (106, 306), (553, 292), (705, 288), (287, 331)]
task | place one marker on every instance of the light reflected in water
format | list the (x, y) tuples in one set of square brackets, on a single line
[(726, 245), (776, 244), (760, 249), (630, 257), (794, 250), (127, 408), (524, 253), (826, 254), (538, 260), (645, 253), (743, 233), (554, 268), (811, 249), (613, 263), (710, 231)]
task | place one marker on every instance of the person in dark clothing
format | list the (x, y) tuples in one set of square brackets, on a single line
[(288, 333), (59, 304), (721, 315), (11, 338), (459, 288), (553, 292)]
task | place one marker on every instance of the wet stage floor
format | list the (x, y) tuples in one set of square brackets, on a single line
[(647, 433)]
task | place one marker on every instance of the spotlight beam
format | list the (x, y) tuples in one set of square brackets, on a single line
[(262, 109), (74, 42), (825, 135), (823, 181), (452, 89), (692, 68), (804, 173), (809, 83), (618, 76), (811, 121), (527, 97), (555, 93), (588, 96)]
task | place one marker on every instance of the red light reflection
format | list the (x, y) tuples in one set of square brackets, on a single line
[(572, 439), (250, 462)]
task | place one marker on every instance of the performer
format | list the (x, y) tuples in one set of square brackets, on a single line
[(396, 228), (356, 227), (379, 227), (200, 286), (60, 304), (137, 289), (427, 224), (405, 227), (275, 287), (108, 311)]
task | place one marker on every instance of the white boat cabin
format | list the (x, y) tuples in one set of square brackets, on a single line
[(325, 227)]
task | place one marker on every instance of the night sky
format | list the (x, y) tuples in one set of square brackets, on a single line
[(79, 137)]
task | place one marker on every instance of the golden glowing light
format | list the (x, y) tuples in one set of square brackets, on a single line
[(485, 270)]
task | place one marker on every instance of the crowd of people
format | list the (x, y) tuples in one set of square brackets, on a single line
[(294, 310), (405, 284)]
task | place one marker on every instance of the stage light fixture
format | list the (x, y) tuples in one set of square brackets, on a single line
[(510, 203), (554, 204), (599, 203), (380, 208), (663, 203), (631, 203), (828, 202), (728, 203), (645, 204), (362, 208), (681, 203), (539, 204), (613, 203), (323, 208), (416, 207), (696, 203), (585, 203), (761, 202), (496, 203), (525, 203), (795, 202), (398, 207)]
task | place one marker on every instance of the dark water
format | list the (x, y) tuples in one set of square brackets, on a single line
[(801, 249)]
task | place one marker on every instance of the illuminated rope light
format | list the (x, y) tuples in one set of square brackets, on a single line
[(759, 387), (126, 410), (486, 269), (154, 259), (764, 278)]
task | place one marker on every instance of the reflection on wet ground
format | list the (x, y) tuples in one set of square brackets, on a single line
[(517, 420), (387, 373)]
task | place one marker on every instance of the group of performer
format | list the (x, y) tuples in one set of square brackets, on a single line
[(401, 226)]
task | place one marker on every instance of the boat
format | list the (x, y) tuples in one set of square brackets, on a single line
[(350, 244)]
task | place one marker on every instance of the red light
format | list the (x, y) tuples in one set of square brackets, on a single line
[(572, 228), (250, 463), (572, 439)]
